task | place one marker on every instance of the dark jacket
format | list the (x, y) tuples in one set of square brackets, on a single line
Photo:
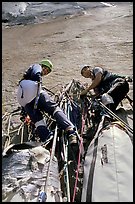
[(107, 79), (34, 73)]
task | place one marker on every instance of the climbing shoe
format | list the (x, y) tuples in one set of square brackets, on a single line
[(73, 139)]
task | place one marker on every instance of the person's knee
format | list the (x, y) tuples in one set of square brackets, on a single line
[(107, 99), (57, 109), (40, 123), (42, 130)]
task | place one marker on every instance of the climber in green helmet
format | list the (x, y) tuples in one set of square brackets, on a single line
[(35, 101), (47, 64)]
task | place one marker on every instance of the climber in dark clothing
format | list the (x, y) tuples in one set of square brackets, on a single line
[(35, 101), (112, 87)]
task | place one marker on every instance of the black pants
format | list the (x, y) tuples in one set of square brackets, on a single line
[(118, 90), (46, 104)]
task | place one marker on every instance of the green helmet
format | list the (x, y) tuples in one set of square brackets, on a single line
[(47, 63)]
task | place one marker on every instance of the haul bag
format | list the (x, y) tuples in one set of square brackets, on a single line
[(108, 166)]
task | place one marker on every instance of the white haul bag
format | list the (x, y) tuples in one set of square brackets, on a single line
[(108, 166)]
